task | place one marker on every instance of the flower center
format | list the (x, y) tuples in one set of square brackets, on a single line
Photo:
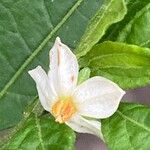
[(63, 109)]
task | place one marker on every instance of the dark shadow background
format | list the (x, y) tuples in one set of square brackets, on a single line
[(91, 142)]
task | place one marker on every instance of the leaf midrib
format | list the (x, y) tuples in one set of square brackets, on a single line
[(39, 48), (80, 53), (39, 131), (106, 56), (133, 121), (118, 54)]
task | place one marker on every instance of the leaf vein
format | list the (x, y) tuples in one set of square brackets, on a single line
[(129, 138), (145, 43), (39, 131), (17, 26), (133, 121), (48, 14)]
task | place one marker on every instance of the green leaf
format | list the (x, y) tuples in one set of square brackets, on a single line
[(107, 15), (42, 133), (134, 28), (127, 65), (84, 74), (27, 32), (128, 128), (137, 31)]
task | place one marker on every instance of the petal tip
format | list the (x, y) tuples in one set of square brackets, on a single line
[(122, 92), (31, 72), (57, 41)]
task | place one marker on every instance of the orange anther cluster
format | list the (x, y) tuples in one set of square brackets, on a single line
[(63, 109)]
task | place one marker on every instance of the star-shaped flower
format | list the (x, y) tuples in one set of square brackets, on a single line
[(79, 106)]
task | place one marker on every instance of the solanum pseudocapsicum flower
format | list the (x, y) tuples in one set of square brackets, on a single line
[(70, 103)]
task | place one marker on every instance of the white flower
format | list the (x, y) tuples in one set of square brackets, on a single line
[(70, 103)]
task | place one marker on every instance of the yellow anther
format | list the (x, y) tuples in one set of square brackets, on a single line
[(63, 109)]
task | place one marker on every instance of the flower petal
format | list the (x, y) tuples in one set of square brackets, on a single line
[(82, 125), (63, 68), (46, 95), (44, 102), (98, 97)]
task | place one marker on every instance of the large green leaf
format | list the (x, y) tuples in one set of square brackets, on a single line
[(127, 65), (128, 128), (41, 133), (27, 31), (99, 24), (134, 28)]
